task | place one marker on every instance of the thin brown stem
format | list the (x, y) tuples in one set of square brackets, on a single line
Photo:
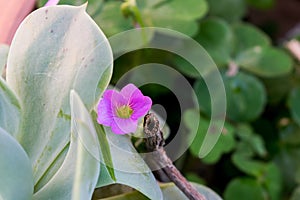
[(154, 143)]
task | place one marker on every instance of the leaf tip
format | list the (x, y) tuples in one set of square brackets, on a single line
[(84, 6)]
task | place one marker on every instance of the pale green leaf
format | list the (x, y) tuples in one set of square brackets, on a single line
[(16, 180), (55, 49), (10, 110), (129, 168), (170, 192), (77, 177), (3, 57)]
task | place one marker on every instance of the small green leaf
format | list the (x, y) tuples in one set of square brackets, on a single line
[(176, 15), (111, 19), (248, 36), (225, 143), (16, 180), (294, 106), (10, 115), (250, 142), (265, 61), (251, 167), (246, 97), (244, 188), (216, 37), (77, 177), (230, 10)]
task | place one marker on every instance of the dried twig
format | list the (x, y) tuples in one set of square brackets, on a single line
[(154, 143)]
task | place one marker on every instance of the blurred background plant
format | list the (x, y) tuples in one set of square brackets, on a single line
[(257, 155)]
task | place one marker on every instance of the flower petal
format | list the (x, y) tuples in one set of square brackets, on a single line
[(123, 126), (108, 93), (140, 106), (104, 111), (131, 91)]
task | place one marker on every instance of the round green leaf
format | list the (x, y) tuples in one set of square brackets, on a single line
[(244, 188), (246, 97), (216, 37), (265, 61), (225, 143), (230, 10), (176, 14), (248, 36), (294, 105), (111, 19), (16, 180)]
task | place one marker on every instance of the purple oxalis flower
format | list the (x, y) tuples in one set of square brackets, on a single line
[(121, 110)]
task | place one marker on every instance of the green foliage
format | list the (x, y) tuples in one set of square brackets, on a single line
[(225, 144), (293, 102), (244, 188), (43, 82), (15, 169), (230, 10), (245, 94), (55, 60)]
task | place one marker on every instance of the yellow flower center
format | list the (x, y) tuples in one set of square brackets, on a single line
[(124, 111)]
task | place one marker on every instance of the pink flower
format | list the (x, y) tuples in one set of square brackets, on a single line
[(121, 110)]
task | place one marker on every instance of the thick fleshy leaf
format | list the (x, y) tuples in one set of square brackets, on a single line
[(55, 49), (3, 56), (170, 192), (294, 106), (77, 177), (10, 114), (127, 165), (16, 180), (265, 61)]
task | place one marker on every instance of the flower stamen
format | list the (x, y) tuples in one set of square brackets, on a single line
[(124, 111)]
